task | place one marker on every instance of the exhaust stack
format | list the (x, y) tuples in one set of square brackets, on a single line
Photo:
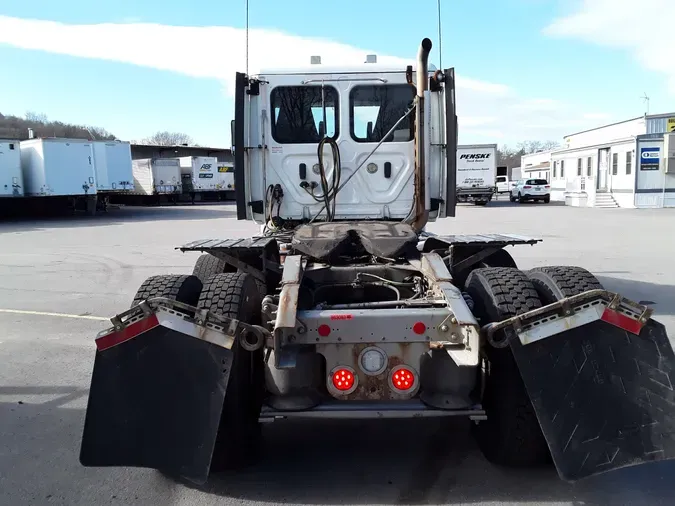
[(421, 213)]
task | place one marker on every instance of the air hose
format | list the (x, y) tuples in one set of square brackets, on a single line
[(329, 191)]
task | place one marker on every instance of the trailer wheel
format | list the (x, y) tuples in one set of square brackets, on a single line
[(557, 282), (511, 435), (236, 295), (179, 287), (207, 265)]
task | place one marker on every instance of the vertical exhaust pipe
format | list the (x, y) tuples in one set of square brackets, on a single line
[(421, 213)]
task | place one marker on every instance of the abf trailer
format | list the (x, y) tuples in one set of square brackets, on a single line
[(476, 173), (11, 180), (201, 177)]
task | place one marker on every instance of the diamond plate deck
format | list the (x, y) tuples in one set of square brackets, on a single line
[(605, 398), (446, 241), (207, 245)]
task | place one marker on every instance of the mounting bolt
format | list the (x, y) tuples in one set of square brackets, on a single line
[(300, 330), (444, 328), (453, 320)]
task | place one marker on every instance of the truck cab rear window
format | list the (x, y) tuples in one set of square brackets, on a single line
[(374, 109), (298, 114)]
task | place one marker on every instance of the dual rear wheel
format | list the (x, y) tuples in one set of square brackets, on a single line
[(232, 295), (511, 436)]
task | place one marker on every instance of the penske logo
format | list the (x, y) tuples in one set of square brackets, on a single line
[(475, 156)]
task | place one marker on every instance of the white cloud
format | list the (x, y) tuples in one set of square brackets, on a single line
[(644, 29), (217, 52)]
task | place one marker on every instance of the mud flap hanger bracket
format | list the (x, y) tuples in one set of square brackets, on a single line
[(567, 313), (229, 326)]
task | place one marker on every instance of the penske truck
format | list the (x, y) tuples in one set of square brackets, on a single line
[(476, 173)]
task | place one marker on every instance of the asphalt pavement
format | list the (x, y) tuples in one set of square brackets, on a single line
[(60, 277)]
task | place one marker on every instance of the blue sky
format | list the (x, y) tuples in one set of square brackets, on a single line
[(528, 69)]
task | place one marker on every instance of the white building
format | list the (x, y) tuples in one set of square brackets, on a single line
[(536, 165), (617, 165)]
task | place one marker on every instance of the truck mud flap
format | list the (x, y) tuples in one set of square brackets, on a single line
[(156, 396), (603, 395)]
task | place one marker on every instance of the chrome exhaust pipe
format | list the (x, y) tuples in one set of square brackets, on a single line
[(421, 213)]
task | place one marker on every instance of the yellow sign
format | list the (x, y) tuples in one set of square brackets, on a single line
[(225, 169), (670, 125)]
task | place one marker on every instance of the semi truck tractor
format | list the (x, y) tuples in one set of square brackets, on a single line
[(345, 306)]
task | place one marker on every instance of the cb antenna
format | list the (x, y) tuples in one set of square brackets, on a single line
[(440, 45), (247, 38), (645, 99)]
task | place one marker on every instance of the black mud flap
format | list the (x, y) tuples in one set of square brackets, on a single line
[(155, 401), (604, 397)]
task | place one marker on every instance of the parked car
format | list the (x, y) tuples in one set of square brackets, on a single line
[(531, 189)]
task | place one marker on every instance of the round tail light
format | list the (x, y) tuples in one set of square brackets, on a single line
[(403, 379), (343, 380)]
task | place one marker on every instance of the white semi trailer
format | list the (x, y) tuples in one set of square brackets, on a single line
[(476, 173), (11, 179)]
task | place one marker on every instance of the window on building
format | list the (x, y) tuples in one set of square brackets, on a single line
[(629, 162), (562, 168), (589, 166), (615, 164), (578, 166), (373, 111), (298, 114), (555, 169)]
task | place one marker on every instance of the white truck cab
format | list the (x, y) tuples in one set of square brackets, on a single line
[(299, 135)]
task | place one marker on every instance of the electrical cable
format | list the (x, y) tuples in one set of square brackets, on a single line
[(391, 130)]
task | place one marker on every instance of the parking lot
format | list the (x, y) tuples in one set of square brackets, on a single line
[(60, 277)]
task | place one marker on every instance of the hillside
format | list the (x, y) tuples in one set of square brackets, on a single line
[(14, 127)]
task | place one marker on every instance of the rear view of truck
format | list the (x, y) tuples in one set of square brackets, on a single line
[(476, 172)]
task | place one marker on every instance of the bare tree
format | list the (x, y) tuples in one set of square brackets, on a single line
[(36, 117), (529, 147), (510, 157), (169, 139)]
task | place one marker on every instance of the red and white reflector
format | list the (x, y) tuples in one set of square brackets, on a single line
[(118, 337), (622, 321)]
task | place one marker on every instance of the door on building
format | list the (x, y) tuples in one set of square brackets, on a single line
[(603, 169)]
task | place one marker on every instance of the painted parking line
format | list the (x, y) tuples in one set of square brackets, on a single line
[(59, 315)]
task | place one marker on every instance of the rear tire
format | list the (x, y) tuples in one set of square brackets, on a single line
[(207, 265), (236, 295), (557, 282), (511, 436), (179, 287), (512, 198), (547, 200)]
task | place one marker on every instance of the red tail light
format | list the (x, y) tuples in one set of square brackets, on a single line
[(527, 187), (547, 186), (403, 379), (343, 379)]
